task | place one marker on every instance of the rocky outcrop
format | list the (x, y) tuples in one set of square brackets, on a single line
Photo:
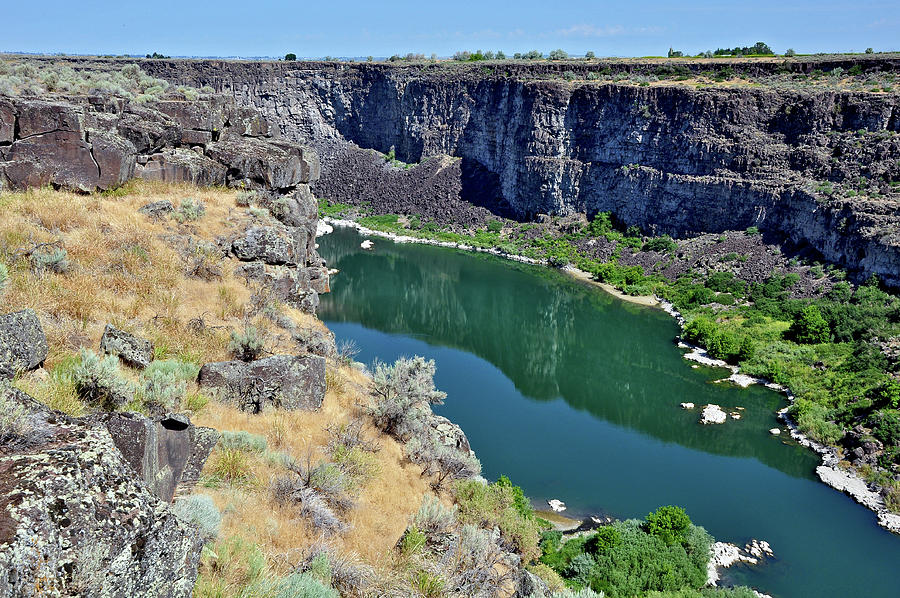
[(76, 521), (669, 158), (23, 346), (285, 381), (133, 350), (91, 143), (167, 453)]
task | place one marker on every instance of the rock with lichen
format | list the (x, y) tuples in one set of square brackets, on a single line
[(75, 520)]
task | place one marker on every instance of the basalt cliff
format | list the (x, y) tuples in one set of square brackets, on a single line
[(668, 157)]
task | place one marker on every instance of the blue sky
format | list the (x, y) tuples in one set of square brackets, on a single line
[(355, 28)]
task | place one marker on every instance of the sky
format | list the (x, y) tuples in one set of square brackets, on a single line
[(353, 28)]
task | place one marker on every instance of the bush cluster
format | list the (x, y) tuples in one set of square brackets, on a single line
[(666, 552)]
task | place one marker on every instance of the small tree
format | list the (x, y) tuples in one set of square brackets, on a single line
[(670, 524), (790, 53), (558, 54), (501, 55), (870, 51), (810, 327), (589, 55), (290, 57)]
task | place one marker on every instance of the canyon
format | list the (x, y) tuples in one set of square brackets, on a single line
[(669, 157)]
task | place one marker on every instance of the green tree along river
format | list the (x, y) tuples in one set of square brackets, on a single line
[(574, 394)]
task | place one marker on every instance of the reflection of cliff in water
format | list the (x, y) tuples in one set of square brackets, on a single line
[(551, 336)]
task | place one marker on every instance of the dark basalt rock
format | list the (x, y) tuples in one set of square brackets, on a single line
[(23, 346), (167, 452), (271, 164), (132, 350), (76, 521), (285, 381)]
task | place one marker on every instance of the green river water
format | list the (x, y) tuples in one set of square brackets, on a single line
[(574, 394)]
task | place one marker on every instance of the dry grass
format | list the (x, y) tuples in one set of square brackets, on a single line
[(131, 271), (386, 502)]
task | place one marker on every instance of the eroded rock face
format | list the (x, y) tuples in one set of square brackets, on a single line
[(76, 521), (131, 349), (671, 159), (23, 346), (285, 381), (167, 453)]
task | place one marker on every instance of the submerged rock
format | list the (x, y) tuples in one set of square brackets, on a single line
[(76, 521), (557, 505), (713, 414)]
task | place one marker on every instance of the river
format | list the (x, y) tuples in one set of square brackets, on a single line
[(575, 394)]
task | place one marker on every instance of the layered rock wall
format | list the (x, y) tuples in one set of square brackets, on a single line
[(669, 158)]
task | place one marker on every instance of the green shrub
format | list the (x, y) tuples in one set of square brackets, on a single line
[(412, 542), (99, 381), (246, 345), (189, 210), (495, 505), (433, 516), (243, 441), (663, 244), (161, 390), (51, 259), (810, 327), (4, 276), (494, 226), (669, 523), (303, 585), (752, 230), (886, 426), (200, 511)]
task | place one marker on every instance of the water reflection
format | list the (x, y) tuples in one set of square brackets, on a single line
[(552, 337)]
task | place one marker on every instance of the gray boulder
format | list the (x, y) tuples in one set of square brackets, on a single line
[(23, 346), (76, 521), (269, 163), (157, 209), (168, 452), (132, 350), (268, 244), (285, 381), (182, 166)]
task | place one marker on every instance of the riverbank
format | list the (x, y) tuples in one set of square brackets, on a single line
[(645, 300), (832, 471)]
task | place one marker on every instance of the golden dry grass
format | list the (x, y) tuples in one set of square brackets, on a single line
[(128, 270), (385, 505)]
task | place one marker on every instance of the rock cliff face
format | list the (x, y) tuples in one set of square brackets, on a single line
[(669, 158)]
